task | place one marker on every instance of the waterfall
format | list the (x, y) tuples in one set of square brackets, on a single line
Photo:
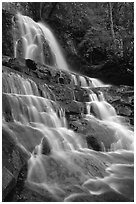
[(60, 158), (33, 37)]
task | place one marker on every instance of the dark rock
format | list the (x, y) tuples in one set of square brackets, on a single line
[(8, 182), (7, 34), (93, 143), (5, 60), (22, 191), (43, 73), (112, 197), (6, 108), (13, 157), (61, 80), (80, 197), (124, 111), (14, 194), (18, 64), (106, 197), (81, 94), (29, 195), (46, 149), (74, 107), (31, 64), (63, 94)]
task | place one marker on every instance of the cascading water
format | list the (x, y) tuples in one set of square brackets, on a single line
[(50, 145), (33, 36)]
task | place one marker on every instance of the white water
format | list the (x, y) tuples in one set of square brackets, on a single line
[(39, 123), (59, 158), (33, 36)]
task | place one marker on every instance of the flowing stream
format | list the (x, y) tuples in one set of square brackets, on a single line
[(59, 158)]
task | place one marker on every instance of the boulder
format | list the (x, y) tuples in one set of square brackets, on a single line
[(63, 93), (13, 158), (46, 149), (73, 108), (81, 94), (8, 182), (98, 136)]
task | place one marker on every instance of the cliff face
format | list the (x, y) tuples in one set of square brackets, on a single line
[(60, 88)]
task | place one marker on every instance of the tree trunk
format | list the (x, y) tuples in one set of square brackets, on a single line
[(111, 21)]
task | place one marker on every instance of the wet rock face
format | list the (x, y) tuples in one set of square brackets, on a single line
[(13, 160), (63, 94), (81, 94), (8, 181), (6, 109)]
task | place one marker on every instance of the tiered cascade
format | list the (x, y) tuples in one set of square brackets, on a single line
[(47, 138)]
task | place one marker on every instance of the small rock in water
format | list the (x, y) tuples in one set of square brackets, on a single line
[(93, 143), (61, 80), (45, 147), (31, 64)]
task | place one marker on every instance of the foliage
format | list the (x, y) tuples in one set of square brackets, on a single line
[(85, 28)]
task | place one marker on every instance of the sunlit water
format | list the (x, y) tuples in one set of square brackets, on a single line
[(33, 37), (59, 158)]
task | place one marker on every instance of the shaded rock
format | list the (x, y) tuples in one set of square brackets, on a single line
[(74, 107), (79, 197), (61, 80), (5, 60), (63, 94), (93, 143), (43, 73), (46, 149), (18, 64), (6, 109), (106, 197), (13, 195), (22, 192), (81, 94), (124, 111), (8, 182), (26, 136), (12, 156), (31, 64), (46, 92), (28, 195), (7, 34)]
